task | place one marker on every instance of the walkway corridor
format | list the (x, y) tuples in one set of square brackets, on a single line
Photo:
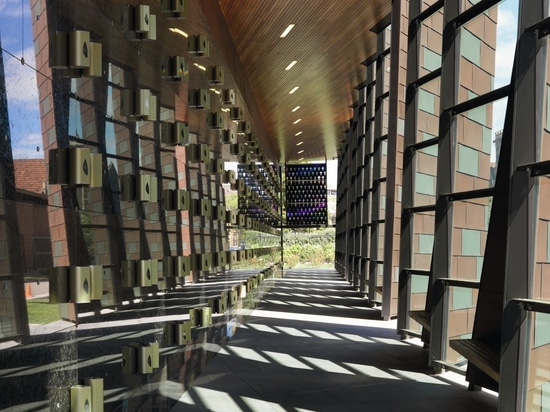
[(314, 345)]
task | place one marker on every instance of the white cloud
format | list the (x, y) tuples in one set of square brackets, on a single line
[(31, 140), (21, 79), (506, 42), (27, 153), (12, 8)]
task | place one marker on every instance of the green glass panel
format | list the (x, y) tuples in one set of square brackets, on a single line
[(427, 136), (545, 399), (471, 242), (542, 329), (419, 284), (479, 265), (430, 150), (470, 47), (425, 184), (462, 298), (468, 160), (432, 60), (426, 101), (479, 115), (425, 243)]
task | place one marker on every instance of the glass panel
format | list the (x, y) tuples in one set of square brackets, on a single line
[(543, 151), (52, 226), (419, 290), (537, 391), (387, 36), (425, 176), (384, 112), (431, 31), (423, 237), (541, 287), (384, 157), (428, 104), (470, 225), (147, 153), (487, 46), (381, 194), (477, 134), (460, 324), (386, 72)]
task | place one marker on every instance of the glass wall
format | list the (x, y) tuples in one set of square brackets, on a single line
[(115, 261)]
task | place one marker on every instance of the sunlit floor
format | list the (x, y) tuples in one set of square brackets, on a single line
[(314, 345)]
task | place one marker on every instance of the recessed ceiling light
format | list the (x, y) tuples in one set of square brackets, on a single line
[(291, 65), (287, 30), (299, 143), (178, 31), (300, 159), (200, 67), (300, 152), (298, 134), (296, 108), (293, 90), (297, 121)]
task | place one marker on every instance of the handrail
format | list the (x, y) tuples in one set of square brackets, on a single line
[(462, 283), (533, 305), (410, 271)]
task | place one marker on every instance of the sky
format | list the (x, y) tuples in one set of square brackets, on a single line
[(506, 45), (16, 37)]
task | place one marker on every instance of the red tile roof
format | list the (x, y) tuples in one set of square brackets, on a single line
[(30, 175)]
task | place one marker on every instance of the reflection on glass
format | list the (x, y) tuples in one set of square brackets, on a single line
[(470, 226), (425, 177), (462, 308), (428, 109), (537, 390), (542, 239), (477, 137), (430, 33), (487, 47), (543, 149), (423, 239)]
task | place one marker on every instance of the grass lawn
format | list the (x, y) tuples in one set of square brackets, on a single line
[(41, 312)]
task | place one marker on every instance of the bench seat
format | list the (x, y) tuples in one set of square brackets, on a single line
[(423, 317), (485, 357)]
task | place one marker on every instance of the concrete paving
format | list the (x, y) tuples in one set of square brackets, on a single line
[(313, 344)]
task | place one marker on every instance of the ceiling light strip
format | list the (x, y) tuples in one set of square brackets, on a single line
[(294, 90), (287, 30), (291, 65)]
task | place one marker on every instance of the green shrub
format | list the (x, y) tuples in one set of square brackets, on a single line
[(313, 247)]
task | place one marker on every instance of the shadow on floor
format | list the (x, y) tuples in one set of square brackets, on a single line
[(313, 344)]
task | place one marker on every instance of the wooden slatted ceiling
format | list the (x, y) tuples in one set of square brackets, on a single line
[(329, 41)]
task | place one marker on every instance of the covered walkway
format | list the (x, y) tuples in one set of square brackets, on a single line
[(313, 344)]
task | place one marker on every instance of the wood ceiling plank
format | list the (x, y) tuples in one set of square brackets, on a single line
[(330, 40)]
